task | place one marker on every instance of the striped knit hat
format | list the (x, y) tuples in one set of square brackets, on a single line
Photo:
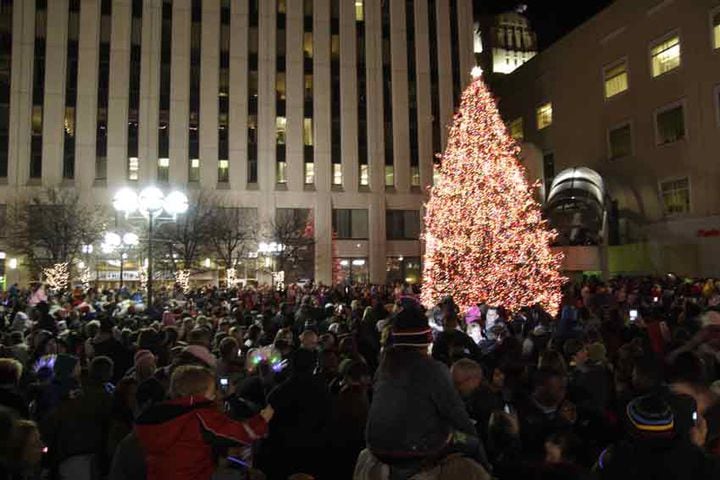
[(650, 417), (410, 326)]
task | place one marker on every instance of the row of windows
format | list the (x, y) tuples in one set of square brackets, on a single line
[(352, 223)]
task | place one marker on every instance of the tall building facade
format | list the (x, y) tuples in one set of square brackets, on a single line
[(505, 41), (332, 108), (633, 94)]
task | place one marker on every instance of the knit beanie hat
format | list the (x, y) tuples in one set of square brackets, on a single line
[(650, 416), (410, 326)]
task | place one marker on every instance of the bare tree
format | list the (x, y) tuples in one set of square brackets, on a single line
[(51, 226), (187, 237), (293, 229), (233, 231)]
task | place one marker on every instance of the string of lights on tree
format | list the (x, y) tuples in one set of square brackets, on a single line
[(485, 238)]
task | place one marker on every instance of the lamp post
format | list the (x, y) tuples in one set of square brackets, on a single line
[(150, 203), (114, 241)]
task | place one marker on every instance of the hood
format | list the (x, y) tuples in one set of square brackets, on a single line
[(161, 425)]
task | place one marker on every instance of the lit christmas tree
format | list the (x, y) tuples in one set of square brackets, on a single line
[(485, 239)]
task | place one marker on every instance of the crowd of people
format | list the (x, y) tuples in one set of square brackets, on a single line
[(361, 381)]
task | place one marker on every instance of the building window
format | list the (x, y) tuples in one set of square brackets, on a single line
[(516, 129), (281, 173), (620, 142), (434, 77), (194, 172), (616, 79), (337, 175), (6, 31), (252, 94), (670, 124), (133, 168), (414, 176), (389, 176), (359, 11), (38, 91), (350, 223), (309, 173), (365, 175), (675, 196), (386, 46), (163, 170), (402, 224), (665, 55), (223, 171), (715, 19), (280, 130), (308, 44), (402, 269), (548, 169), (544, 115), (71, 71), (353, 270), (165, 66)]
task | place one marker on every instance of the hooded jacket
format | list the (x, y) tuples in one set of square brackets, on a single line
[(177, 437)]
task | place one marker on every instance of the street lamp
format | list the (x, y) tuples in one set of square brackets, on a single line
[(114, 241), (150, 203)]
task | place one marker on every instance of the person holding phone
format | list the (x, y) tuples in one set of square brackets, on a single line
[(178, 436)]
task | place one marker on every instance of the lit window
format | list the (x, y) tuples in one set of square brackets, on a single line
[(335, 47), (665, 56), (308, 44), (389, 176), (675, 196), (364, 175), (133, 168), (620, 140), (670, 125), (223, 171), (716, 30), (516, 129), (337, 174), (616, 79), (281, 173), (194, 173), (308, 132), (359, 11), (544, 116), (309, 173), (163, 173), (281, 129), (280, 88), (414, 176)]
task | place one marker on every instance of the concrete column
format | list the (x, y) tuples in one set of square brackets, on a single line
[(150, 90), (348, 97), (54, 102), (424, 100), (323, 237), (465, 37), (376, 217), (400, 102), (87, 86), (266, 96), (118, 93), (209, 84), (445, 76), (294, 78), (238, 95), (321, 95), (21, 93), (180, 92), (375, 127)]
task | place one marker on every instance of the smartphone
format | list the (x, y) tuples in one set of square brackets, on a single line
[(656, 299), (507, 409), (633, 315), (695, 417), (224, 384)]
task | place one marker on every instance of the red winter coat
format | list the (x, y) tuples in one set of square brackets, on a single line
[(177, 437)]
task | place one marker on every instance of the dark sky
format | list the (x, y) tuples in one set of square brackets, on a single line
[(551, 19)]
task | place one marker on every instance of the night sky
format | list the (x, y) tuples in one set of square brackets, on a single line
[(551, 19)]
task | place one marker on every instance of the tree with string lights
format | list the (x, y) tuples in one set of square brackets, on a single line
[(485, 238)]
